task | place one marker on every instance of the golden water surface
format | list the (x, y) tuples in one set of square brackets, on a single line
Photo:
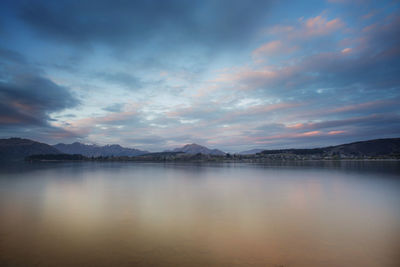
[(154, 214)]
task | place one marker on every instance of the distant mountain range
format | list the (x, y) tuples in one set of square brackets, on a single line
[(118, 151), (195, 149), (14, 149), (97, 151)]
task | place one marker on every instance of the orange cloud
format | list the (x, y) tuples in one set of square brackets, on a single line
[(336, 132), (312, 133), (295, 126)]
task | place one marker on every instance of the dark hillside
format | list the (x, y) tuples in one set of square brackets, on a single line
[(16, 149)]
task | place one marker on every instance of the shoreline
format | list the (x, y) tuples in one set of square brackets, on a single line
[(213, 160)]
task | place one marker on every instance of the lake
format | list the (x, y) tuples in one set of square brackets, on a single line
[(232, 214)]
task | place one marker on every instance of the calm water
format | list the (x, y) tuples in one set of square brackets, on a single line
[(154, 214)]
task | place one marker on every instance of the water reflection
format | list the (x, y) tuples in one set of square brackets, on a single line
[(123, 214)]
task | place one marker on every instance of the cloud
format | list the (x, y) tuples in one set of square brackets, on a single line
[(317, 133), (155, 74), (117, 107), (273, 49), (336, 132), (124, 79), (346, 50), (268, 48), (320, 25), (253, 112), (130, 24), (375, 106), (111, 120), (10, 55), (372, 63), (348, 122), (27, 99), (306, 29)]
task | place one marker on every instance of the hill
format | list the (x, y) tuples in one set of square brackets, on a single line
[(97, 151), (195, 149), (16, 149), (370, 148)]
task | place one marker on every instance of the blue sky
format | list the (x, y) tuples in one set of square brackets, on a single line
[(233, 75)]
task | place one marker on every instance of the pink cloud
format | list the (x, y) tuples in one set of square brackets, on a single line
[(267, 48), (247, 78), (363, 106), (312, 133), (269, 139), (311, 27), (321, 26), (293, 73), (343, 123), (370, 28), (272, 139), (336, 132), (346, 50), (273, 48), (85, 125), (296, 126)]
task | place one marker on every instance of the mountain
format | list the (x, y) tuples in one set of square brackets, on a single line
[(195, 149), (16, 149), (252, 151), (375, 147), (370, 148), (96, 151)]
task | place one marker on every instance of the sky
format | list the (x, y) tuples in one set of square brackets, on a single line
[(227, 74)]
